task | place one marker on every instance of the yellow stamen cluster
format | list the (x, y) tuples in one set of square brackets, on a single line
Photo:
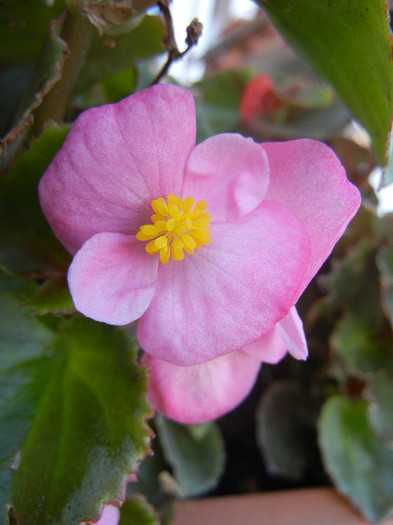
[(177, 225)]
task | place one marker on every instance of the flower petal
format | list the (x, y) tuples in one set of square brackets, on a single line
[(286, 336), (194, 394), (230, 293), (307, 178), (112, 279), (269, 349), (229, 173), (110, 516), (292, 334), (115, 160)]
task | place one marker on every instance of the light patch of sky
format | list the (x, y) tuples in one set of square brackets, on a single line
[(214, 15), (385, 195)]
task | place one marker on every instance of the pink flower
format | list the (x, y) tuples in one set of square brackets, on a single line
[(110, 516), (207, 276)]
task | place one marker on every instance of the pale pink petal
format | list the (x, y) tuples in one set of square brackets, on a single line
[(307, 177), (194, 394), (115, 160), (229, 293), (230, 173), (110, 516), (292, 334), (112, 279), (286, 336), (270, 348)]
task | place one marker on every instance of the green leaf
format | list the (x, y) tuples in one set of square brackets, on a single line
[(27, 244), (217, 100), (195, 454), (72, 419), (136, 511), (349, 43), (47, 71), (280, 432), (379, 393), (359, 463)]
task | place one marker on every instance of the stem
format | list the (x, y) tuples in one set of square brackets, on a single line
[(194, 31), (77, 33)]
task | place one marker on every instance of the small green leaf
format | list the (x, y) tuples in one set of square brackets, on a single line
[(349, 43), (72, 419), (52, 297), (359, 463), (27, 244), (111, 54), (137, 511), (280, 432), (149, 485), (197, 458)]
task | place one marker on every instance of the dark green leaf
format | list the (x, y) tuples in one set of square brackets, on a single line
[(348, 43), (27, 244), (136, 511), (73, 420), (280, 433), (196, 454), (358, 462), (23, 28)]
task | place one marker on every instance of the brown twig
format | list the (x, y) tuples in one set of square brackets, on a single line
[(194, 31)]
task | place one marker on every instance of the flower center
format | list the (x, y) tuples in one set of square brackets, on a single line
[(177, 225)]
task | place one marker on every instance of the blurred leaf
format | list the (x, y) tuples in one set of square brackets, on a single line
[(354, 283), (217, 100), (73, 423), (363, 347), (111, 54), (112, 13), (379, 392), (197, 458), (359, 464), (27, 244), (319, 123), (385, 266), (349, 43), (280, 432), (47, 71), (136, 511)]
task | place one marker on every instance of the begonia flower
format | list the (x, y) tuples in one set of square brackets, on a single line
[(208, 247)]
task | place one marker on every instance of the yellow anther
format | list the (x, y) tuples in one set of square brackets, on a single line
[(177, 225)]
